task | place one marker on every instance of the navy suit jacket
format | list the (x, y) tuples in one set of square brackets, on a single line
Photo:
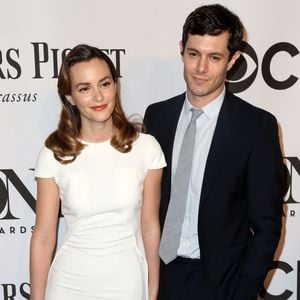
[(239, 222)]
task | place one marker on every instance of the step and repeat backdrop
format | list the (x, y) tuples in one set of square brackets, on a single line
[(142, 38)]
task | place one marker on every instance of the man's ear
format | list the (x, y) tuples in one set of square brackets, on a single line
[(234, 58), (181, 48), (70, 99)]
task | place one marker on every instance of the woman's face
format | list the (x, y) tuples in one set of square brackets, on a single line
[(93, 91)]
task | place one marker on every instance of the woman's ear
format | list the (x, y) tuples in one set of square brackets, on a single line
[(70, 99)]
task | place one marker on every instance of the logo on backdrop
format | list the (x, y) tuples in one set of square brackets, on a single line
[(46, 61), (10, 183), (245, 70), (12, 291), (287, 293), (290, 209)]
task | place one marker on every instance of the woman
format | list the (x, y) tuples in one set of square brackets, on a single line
[(107, 176)]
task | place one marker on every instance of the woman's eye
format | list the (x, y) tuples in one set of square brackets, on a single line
[(83, 89), (105, 84)]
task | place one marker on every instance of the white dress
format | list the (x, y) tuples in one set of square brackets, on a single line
[(102, 256)]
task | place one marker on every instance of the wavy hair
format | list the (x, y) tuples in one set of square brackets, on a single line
[(64, 141)]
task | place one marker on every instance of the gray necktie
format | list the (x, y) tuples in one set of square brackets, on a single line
[(173, 224)]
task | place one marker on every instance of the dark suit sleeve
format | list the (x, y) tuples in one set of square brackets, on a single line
[(266, 180), (148, 120)]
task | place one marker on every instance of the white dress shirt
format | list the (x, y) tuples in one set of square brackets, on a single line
[(206, 124)]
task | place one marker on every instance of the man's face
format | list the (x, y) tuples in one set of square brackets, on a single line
[(206, 62)]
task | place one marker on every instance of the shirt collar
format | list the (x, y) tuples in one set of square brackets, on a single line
[(211, 109)]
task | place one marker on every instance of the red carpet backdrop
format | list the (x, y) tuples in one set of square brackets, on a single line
[(142, 38)]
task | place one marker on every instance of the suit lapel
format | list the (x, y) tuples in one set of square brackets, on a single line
[(170, 126), (220, 146)]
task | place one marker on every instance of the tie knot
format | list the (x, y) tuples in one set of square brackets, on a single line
[(196, 113)]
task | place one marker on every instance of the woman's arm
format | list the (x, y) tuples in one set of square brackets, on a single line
[(43, 238), (151, 228)]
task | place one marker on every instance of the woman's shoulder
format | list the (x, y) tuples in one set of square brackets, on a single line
[(45, 163), (146, 139), (151, 151), (45, 152), (148, 143)]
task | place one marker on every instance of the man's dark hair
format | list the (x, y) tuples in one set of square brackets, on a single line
[(213, 20)]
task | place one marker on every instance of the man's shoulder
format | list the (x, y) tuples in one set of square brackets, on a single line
[(247, 109), (165, 104), (157, 113)]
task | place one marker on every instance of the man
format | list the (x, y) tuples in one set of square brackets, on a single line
[(232, 201)]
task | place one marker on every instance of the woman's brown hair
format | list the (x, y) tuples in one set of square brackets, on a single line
[(64, 141)]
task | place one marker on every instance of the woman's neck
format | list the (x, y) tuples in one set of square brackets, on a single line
[(96, 134)]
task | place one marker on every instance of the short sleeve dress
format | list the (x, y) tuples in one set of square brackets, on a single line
[(102, 255)]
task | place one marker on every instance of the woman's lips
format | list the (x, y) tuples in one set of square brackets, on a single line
[(98, 107)]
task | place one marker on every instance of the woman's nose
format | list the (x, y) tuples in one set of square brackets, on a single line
[(98, 96)]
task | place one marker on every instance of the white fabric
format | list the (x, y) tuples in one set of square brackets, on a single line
[(206, 124), (102, 256)]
